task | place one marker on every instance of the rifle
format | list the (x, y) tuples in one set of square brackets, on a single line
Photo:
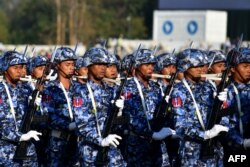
[(20, 153), (161, 113), (102, 157), (207, 151)]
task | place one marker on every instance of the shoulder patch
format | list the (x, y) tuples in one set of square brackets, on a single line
[(176, 102), (77, 102), (127, 95)]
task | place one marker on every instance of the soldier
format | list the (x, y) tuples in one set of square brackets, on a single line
[(35, 68), (81, 70), (217, 64), (57, 100), (165, 65), (142, 96), (13, 105), (91, 106), (238, 138), (192, 100)]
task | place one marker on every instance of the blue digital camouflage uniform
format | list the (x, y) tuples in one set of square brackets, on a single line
[(55, 103), (87, 120), (187, 123), (62, 149), (236, 134), (10, 136), (40, 121), (141, 149)]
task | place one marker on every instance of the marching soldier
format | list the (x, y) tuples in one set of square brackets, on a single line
[(13, 105), (35, 69), (57, 100), (238, 138), (217, 63), (81, 70), (144, 146), (91, 106), (165, 65), (192, 100)]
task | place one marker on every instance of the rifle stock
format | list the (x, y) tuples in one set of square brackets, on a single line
[(160, 115), (207, 150), (102, 157)]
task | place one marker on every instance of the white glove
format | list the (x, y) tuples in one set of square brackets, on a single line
[(31, 134), (120, 104), (223, 95), (38, 100), (111, 139), (246, 143), (167, 99), (216, 129), (72, 126), (163, 133)]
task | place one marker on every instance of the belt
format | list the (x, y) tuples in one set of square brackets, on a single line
[(60, 134)]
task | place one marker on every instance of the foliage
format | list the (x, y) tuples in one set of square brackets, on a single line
[(68, 21)]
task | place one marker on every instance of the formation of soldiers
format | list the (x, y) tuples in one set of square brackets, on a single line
[(79, 94)]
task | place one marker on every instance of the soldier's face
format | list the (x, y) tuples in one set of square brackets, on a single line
[(83, 71), (97, 71), (168, 70), (13, 73), (217, 67), (66, 68), (194, 73), (111, 71), (38, 72), (145, 71), (241, 73)]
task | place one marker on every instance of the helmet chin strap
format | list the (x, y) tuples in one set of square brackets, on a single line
[(66, 75)]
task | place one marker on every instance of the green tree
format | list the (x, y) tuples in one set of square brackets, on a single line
[(34, 22), (4, 32)]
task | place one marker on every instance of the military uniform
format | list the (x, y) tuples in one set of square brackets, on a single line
[(141, 149), (11, 120), (57, 101), (188, 124), (90, 120), (238, 108)]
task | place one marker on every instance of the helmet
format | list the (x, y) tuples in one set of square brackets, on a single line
[(126, 61), (244, 56), (144, 56), (64, 54), (205, 59), (190, 58), (35, 62), (12, 58), (80, 62), (164, 60), (216, 56), (96, 56)]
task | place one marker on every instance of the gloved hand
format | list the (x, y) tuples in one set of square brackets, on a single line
[(38, 100), (111, 139), (223, 95), (163, 133), (246, 143), (72, 126), (120, 104), (31, 134), (216, 129), (167, 99)]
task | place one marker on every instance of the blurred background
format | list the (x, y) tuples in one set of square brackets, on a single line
[(123, 24)]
